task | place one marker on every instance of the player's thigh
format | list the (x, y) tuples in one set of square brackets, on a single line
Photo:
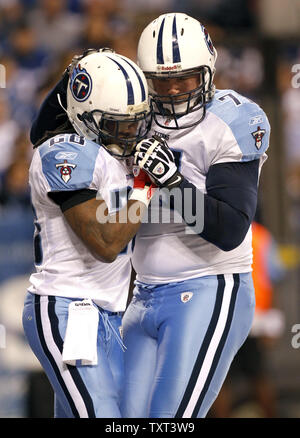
[(192, 337), (234, 336), (184, 318), (82, 391), (44, 341), (115, 351), (140, 360)]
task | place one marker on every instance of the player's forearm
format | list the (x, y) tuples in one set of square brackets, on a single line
[(212, 219), (228, 208), (105, 235), (118, 229)]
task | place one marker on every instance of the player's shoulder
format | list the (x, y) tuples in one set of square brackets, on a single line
[(246, 120), (67, 145), (233, 108), (68, 161)]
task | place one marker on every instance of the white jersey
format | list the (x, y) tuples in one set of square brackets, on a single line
[(64, 266), (235, 129)]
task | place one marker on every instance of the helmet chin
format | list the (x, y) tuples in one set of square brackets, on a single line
[(118, 151), (115, 150), (179, 109)]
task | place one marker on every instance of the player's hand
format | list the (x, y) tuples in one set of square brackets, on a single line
[(143, 187), (154, 157), (77, 58)]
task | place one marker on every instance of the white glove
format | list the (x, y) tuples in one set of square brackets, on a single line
[(154, 157)]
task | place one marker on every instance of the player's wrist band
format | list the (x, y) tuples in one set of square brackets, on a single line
[(143, 195)]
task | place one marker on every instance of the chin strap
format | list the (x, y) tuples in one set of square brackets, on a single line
[(75, 125), (60, 102)]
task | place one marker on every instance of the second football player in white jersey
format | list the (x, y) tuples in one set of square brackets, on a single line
[(193, 303)]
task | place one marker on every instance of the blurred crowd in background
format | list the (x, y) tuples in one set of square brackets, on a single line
[(258, 43)]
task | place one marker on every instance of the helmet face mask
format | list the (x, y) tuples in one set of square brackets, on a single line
[(177, 105), (177, 46), (118, 134), (107, 102)]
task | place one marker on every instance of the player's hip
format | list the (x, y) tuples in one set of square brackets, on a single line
[(49, 314), (176, 303), (199, 285)]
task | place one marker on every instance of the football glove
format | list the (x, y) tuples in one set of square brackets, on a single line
[(154, 157)]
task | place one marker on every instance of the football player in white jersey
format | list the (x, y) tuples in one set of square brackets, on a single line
[(193, 302), (82, 243)]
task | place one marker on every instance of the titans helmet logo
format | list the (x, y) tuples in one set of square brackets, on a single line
[(80, 84)]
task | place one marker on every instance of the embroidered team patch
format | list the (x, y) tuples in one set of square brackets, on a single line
[(65, 169), (186, 296), (80, 84), (258, 136)]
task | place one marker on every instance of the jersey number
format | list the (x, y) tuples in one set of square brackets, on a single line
[(232, 97), (67, 138)]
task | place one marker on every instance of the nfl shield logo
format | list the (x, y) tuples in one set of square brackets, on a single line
[(135, 170), (186, 296), (159, 169)]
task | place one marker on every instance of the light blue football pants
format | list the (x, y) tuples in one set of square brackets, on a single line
[(80, 391), (181, 339)]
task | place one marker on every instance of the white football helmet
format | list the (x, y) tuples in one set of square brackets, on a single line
[(176, 45), (107, 101)]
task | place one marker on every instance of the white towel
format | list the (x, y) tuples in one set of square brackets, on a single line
[(81, 335)]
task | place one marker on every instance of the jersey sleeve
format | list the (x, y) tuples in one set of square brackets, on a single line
[(70, 165), (244, 125)]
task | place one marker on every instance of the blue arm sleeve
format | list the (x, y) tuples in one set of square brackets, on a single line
[(230, 202)]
